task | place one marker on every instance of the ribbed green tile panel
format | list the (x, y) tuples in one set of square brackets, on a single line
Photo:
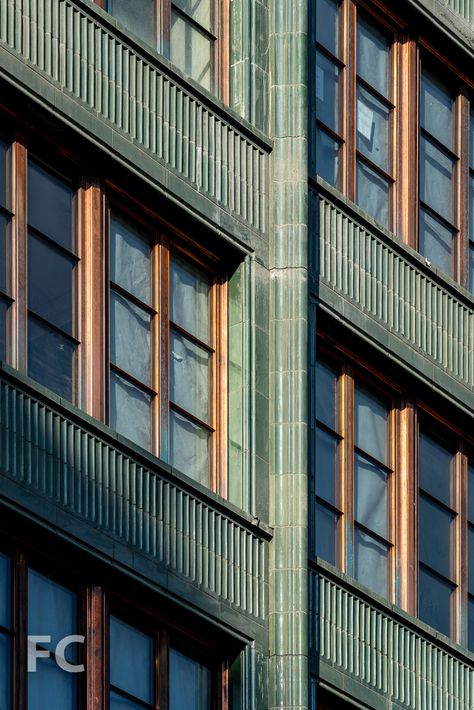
[(89, 477), (87, 60), (377, 276), (465, 8), (392, 658)]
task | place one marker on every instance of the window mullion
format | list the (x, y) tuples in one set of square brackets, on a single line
[(95, 652), (19, 258), (20, 612), (406, 563)]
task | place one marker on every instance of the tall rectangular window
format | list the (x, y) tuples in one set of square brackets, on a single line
[(190, 682), (132, 654), (438, 173), (52, 282), (5, 251), (470, 556), (437, 518), (470, 256), (6, 632)]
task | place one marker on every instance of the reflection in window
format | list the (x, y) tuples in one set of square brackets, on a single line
[(438, 162), (436, 518), (131, 666), (52, 611), (190, 683), (52, 262)]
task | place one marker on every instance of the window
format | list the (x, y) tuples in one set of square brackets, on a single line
[(5, 270), (393, 130), (354, 477), (186, 32), (354, 149), (6, 631), (393, 492)]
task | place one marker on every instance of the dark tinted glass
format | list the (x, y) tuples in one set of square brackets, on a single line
[(50, 205), (470, 551), (5, 672), (370, 561), (373, 128), (136, 16), (327, 92), (50, 283), (131, 660), (436, 179), (435, 469), (435, 546), (120, 702), (471, 207), (5, 591), (370, 424), (470, 511), (436, 241), (326, 533), (3, 173), (326, 380), (326, 461), (3, 328), (51, 687), (4, 260), (327, 157), (471, 267), (51, 358), (372, 193), (190, 683), (434, 601), (327, 25), (436, 109), (471, 624), (372, 55), (130, 258), (370, 494)]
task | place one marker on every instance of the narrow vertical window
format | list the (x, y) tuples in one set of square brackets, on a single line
[(438, 167), (52, 611), (192, 39), (470, 255), (131, 667), (6, 632), (374, 108), (132, 319), (328, 513), (5, 265), (436, 543), (470, 556), (189, 683), (327, 90), (191, 362), (52, 278), (372, 472)]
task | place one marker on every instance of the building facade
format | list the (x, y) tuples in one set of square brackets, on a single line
[(237, 354)]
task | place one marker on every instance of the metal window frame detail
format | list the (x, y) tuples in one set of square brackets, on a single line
[(365, 641), (72, 466), (183, 128), (383, 279)]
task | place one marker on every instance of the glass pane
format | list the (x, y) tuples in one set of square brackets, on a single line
[(371, 424), (52, 611), (199, 10), (436, 109), (3, 328), (470, 511), (370, 492), (4, 257), (471, 207), (327, 92), (326, 458), (50, 284), (327, 157), (3, 176), (117, 702), (5, 673), (470, 543), (471, 267), (190, 683), (435, 545), (190, 298), (51, 687), (435, 469), (327, 26), (130, 337), (326, 533), (5, 591), (236, 684), (372, 128), (191, 50), (50, 205), (326, 381), (434, 601), (51, 358), (372, 55), (435, 241), (130, 410), (131, 660), (436, 179), (130, 259), (189, 376), (136, 16), (471, 624), (189, 448), (370, 561), (372, 193)]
